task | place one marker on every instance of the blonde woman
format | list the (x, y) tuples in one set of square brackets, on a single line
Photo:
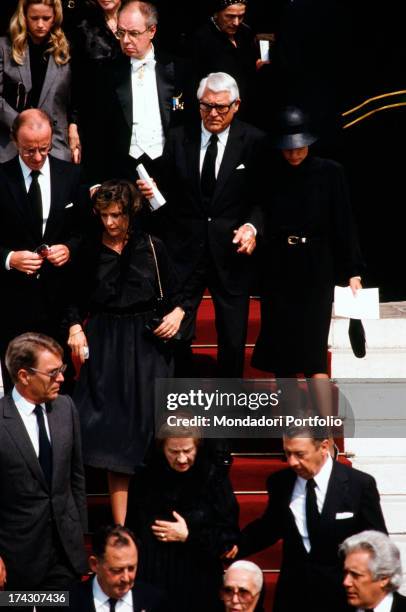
[(35, 73)]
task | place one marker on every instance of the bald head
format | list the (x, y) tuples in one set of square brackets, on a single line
[(32, 135)]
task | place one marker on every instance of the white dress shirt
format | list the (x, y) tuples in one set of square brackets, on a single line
[(26, 412), (221, 146), (147, 131), (101, 600), (44, 181), (384, 606), (298, 501)]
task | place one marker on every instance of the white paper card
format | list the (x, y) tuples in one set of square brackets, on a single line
[(158, 199), (363, 305), (264, 50)]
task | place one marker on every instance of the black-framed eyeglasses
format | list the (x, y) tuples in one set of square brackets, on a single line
[(221, 109), (43, 151), (243, 595), (134, 34), (53, 374)]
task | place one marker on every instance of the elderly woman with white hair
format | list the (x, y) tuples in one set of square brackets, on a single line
[(372, 572), (243, 587)]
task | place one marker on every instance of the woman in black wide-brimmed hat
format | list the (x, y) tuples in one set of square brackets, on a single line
[(311, 246)]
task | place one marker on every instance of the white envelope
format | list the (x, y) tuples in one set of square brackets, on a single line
[(363, 305), (344, 515), (240, 167)]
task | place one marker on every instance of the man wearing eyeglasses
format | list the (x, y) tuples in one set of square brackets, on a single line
[(42, 488), (40, 216), (242, 586), (144, 95), (213, 187)]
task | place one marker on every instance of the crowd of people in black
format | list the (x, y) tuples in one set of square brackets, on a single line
[(95, 276)]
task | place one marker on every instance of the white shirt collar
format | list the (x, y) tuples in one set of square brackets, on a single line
[(384, 606), (45, 170), (222, 136), (149, 58), (23, 405), (100, 598), (322, 477)]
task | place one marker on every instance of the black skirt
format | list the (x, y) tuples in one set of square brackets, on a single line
[(115, 392)]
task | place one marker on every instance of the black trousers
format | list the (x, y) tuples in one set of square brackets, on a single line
[(231, 320)]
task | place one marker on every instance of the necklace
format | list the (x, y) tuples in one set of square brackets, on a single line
[(115, 244)]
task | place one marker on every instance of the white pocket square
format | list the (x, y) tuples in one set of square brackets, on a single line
[(240, 167), (69, 205), (344, 515)]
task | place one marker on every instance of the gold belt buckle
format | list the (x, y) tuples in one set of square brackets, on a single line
[(293, 240)]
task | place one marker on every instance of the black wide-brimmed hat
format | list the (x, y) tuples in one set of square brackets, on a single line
[(292, 129)]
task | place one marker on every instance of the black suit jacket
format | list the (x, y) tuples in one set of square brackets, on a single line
[(349, 491), (399, 603), (30, 298), (146, 598), (172, 81), (191, 230), (29, 510)]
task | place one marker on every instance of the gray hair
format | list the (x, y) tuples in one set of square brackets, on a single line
[(219, 81), (384, 556), (147, 10), (250, 567)]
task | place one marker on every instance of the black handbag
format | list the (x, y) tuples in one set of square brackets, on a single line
[(357, 338), (159, 311)]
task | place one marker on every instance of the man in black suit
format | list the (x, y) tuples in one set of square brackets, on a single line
[(372, 572), (40, 206), (213, 189), (313, 506), (42, 486), (114, 563), (144, 95)]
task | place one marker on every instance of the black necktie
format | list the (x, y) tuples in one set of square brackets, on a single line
[(35, 199), (112, 603), (312, 511), (208, 177), (45, 450)]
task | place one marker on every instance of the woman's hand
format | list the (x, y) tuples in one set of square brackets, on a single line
[(77, 342), (230, 554), (3, 574), (170, 324), (355, 284), (171, 531), (74, 143)]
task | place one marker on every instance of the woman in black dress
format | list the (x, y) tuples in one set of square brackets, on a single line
[(183, 510), (120, 290), (311, 245)]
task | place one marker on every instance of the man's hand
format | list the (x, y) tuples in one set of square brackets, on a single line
[(58, 254), (245, 238), (171, 531), (3, 574), (26, 261), (146, 188)]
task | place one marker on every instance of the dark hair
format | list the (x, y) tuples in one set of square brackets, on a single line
[(120, 192), (111, 535), (23, 352), (166, 431), (316, 434), (34, 117)]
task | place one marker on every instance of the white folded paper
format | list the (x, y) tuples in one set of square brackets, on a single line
[(158, 199), (264, 50), (363, 305)]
